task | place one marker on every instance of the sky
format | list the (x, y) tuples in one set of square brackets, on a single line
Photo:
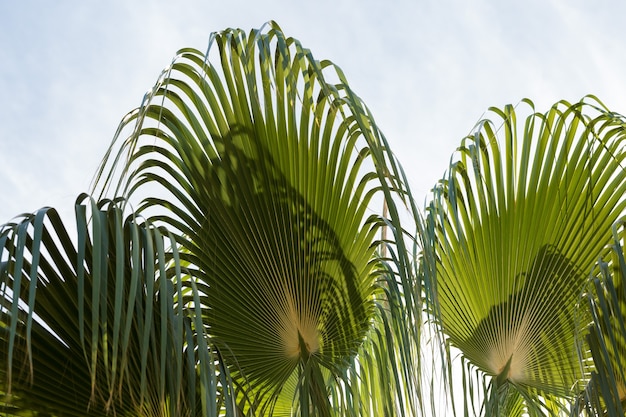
[(427, 69)]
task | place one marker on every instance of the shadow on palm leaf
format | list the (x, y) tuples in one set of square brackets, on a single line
[(519, 336), (283, 298)]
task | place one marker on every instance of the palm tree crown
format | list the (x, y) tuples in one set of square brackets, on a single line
[(252, 248), (265, 177)]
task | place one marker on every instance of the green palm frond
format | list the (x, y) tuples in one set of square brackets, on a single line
[(606, 337), (515, 226), (96, 328), (272, 174)]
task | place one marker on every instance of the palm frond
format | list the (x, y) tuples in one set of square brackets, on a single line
[(516, 224), (606, 336), (272, 173), (97, 328)]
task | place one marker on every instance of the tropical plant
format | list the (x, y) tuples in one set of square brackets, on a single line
[(87, 329), (244, 255), (517, 223), (251, 247), (606, 336)]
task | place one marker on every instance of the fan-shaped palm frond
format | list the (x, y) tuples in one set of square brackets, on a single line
[(98, 328), (269, 169), (516, 225), (606, 338)]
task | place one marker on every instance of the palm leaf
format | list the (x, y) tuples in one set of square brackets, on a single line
[(98, 328), (270, 176), (520, 217), (606, 337)]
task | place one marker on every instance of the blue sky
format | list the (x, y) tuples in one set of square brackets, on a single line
[(428, 70)]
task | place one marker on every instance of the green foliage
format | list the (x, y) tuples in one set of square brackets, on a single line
[(277, 279), (519, 220), (96, 328), (253, 249), (606, 336)]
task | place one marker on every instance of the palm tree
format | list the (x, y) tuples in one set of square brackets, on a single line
[(516, 225), (251, 247), (244, 255)]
